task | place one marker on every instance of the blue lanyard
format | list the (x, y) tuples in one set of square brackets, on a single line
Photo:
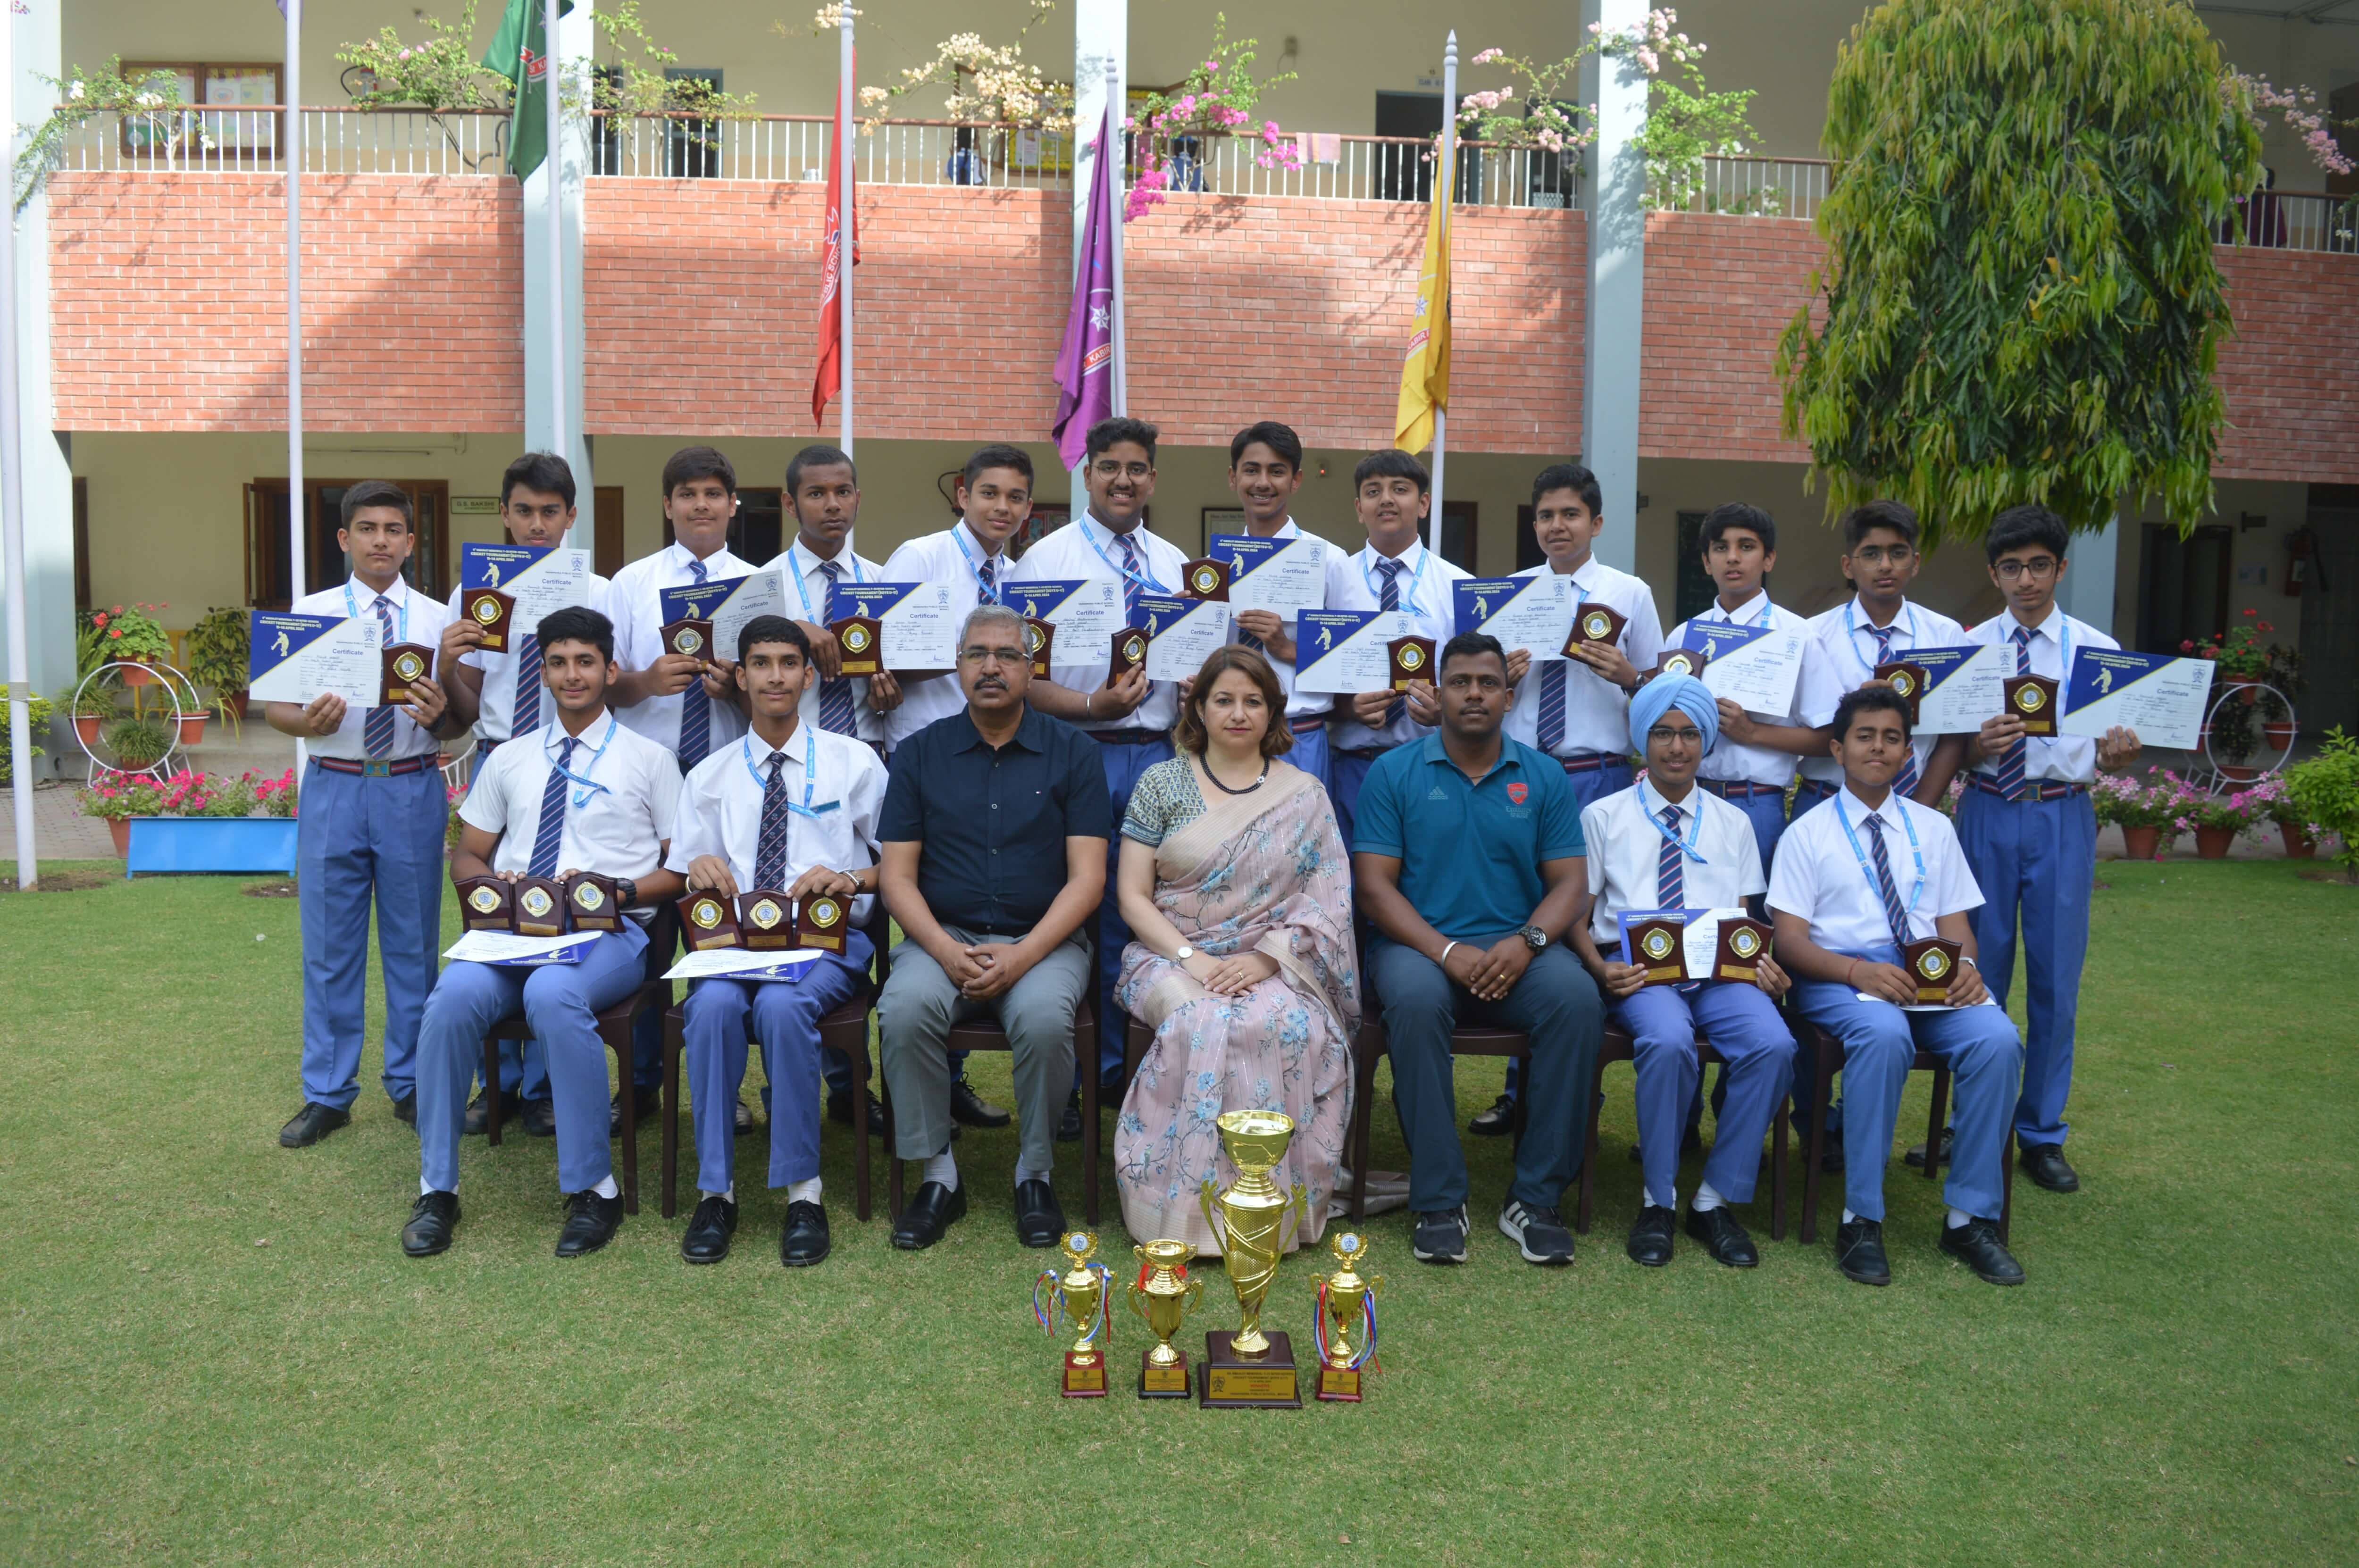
[(352, 610), (1148, 582), (1850, 631), (1368, 576), (1694, 808), (590, 785), (803, 593), (993, 588), (811, 776), (1869, 871)]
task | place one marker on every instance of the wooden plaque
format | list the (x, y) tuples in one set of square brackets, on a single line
[(1659, 947), (404, 664), (1171, 1382), (1085, 1374), (1743, 945), (1039, 639), (1230, 1381), (1412, 660), (1682, 662), (1205, 578), (2032, 698), (492, 611), (1339, 1383), (1594, 623), (691, 637), (707, 921), (1129, 650), (485, 904), (1932, 964), (539, 907), (862, 642), (593, 902), (820, 921), (766, 920), (1907, 679)]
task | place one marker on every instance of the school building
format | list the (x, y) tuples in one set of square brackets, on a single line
[(152, 281)]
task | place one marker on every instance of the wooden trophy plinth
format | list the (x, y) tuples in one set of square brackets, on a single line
[(1230, 1381), (1339, 1384), (1085, 1374), (405, 663), (862, 642), (1129, 651), (1743, 945), (1040, 638), (2032, 698), (1411, 660), (1905, 679), (1600, 624), (1658, 947), (1932, 964), (1172, 1382), (593, 902), (493, 613), (1205, 578), (485, 904), (766, 920), (707, 921), (820, 921), (539, 907)]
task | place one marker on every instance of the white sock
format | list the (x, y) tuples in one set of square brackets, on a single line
[(1671, 1202), (943, 1168), (1706, 1200), (803, 1192), (1025, 1173), (1958, 1217), (607, 1189), (1849, 1217), (729, 1196), (425, 1186)]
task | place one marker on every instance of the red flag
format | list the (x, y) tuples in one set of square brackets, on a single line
[(829, 377)]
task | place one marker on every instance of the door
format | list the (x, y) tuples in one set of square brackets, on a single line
[(2329, 615), (2182, 586), (81, 544), (606, 517), (1401, 173), (269, 569), (1457, 545)]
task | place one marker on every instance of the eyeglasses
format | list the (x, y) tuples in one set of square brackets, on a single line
[(1107, 468), (2040, 568), (1662, 733), (1883, 554), (982, 655)]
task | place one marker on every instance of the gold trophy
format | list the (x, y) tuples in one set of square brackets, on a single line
[(1082, 1294), (1345, 1303), (1164, 1296), (1250, 1368)]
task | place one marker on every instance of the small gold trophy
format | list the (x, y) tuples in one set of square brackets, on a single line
[(1346, 1302), (1164, 1296), (1081, 1295), (1249, 1368)]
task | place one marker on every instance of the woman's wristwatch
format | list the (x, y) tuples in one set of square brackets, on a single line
[(1183, 953)]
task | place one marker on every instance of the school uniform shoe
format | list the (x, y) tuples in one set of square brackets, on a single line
[(1539, 1233), (1069, 1126), (538, 1118), (590, 1222), (1440, 1235), (433, 1218), (1859, 1253), (968, 1107), (744, 1119), (1650, 1235), (645, 1101), (311, 1124), (1039, 1220), (2044, 1163), (805, 1240), (1497, 1121), (839, 1108), (932, 1212), (1726, 1241), (478, 1119), (709, 1230), (1976, 1245), (1916, 1155), (405, 1110)]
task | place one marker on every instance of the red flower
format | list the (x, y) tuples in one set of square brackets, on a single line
[(117, 633), (2252, 613), (2186, 646), (2267, 627), (2211, 653), (99, 619)]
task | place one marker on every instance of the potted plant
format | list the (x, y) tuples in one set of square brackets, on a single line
[(135, 636), (115, 798), (206, 822), (218, 658), (2216, 819), (139, 743), (93, 708), (2141, 810), (38, 710), (2283, 673), (2325, 790)]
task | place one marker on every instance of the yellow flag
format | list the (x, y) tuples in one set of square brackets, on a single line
[(1425, 374)]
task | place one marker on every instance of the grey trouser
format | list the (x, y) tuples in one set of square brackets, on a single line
[(914, 1018)]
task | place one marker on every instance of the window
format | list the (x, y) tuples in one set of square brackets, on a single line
[(325, 562), (757, 534), (242, 125), (1696, 589), (1455, 544)]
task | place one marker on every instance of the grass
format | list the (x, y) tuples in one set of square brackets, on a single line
[(216, 1352)]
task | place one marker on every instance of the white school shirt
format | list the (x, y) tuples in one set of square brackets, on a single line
[(635, 605), (615, 830), (1729, 759), (415, 618), (495, 706), (1085, 548), (2072, 759), (806, 584), (1596, 711), (1843, 658), (720, 807), (1626, 853), (1300, 705), (1354, 583), (1817, 877), (936, 559)]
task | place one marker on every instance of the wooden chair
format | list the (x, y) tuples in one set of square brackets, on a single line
[(1467, 1039), (1620, 1046), (984, 1034)]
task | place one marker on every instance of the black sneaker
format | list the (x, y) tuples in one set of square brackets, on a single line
[(1976, 1245), (1859, 1253), (1497, 1121), (971, 1109), (1540, 1233), (1440, 1235), (1069, 1126), (433, 1218), (1723, 1237)]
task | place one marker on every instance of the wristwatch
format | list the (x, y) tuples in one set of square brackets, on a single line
[(627, 892), (1183, 953), (1535, 938)]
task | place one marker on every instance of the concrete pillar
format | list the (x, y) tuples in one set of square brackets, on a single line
[(2087, 591), (1616, 177), (575, 36)]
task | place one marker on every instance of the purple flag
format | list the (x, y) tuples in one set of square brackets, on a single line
[(1085, 363)]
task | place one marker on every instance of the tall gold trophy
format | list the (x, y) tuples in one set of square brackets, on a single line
[(1346, 1307), (1164, 1295), (1249, 1368), (1079, 1295)]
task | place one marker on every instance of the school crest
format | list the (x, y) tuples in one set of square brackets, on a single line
[(1517, 791)]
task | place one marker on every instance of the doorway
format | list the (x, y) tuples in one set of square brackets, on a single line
[(1402, 172), (2330, 611), (2182, 585), (268, 570)]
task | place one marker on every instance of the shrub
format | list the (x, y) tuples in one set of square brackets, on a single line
[(2325, 789)]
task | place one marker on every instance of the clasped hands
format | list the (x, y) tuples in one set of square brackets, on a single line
[(1232, 976)]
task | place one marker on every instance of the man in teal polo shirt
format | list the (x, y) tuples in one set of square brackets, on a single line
[(1467, 852)]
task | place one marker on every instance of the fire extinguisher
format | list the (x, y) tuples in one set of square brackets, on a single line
[(2302, 545)]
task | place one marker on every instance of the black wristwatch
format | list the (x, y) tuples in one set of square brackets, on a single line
[(627, 892), (1535, 938)]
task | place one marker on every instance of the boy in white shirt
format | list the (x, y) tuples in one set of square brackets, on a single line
[(824, 494), (1264, 472), (667, 696), (993, 496)]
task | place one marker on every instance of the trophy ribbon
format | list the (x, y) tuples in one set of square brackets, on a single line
[(1102, 1330), (1367, 1352)]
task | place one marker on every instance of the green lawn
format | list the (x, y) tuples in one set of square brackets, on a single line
[(215, 1350)]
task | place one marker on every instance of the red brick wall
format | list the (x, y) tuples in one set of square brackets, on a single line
[(2291, 372)]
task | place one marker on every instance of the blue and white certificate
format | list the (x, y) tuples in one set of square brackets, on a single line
[(728, 604), (1285, 577), (520, 952), (1752, 667), (2160, 698), (1086, 612), (739, 964), (1963, 687), (296, 658), (1534, 613), (1180, 633), (917, 622), (1344, 652), (539, 579)]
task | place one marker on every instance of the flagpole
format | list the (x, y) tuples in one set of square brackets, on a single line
[(845, 227), (297, 577), (1119, 390), (552, 166), (1446, 174), (12, 495)]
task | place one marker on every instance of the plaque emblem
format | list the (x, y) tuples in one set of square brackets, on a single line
[(825, 911), (1682, 662), (1933, 963), (688, 640), (1134, 648), (855, 638), (1658, 944), (1746, 943), (766, 913), (1032, 639), (487, 611), (1204, 580), (537, 902), (1412, 657), (408, 667), (705, 913), (1904, 682), (1596, 626), (483, 901), (589, 897), (2031, 698)]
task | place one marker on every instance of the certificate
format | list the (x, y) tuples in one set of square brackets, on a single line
[(728, 604), (1086, 612), (296, 658), (1528, 612), (1285, 577), (918, 623), (2160, 698), (540, 580), (1755, 667), (519, 952), (1342, 652), (1182, 635), (1690, 967), (1963, 687), (739, 964)]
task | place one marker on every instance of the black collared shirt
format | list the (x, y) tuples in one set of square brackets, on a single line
[(994, 823)]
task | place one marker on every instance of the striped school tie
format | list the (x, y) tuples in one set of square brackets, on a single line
[(695, 708), (1671, 876), (1905, 782), (1895, 916), (1551, 725), (550, 830), (770, 850), (1129, 580), (527, 686), (2011, 760), (377, 730), (835, 709), (1388, 597), (986, 579)]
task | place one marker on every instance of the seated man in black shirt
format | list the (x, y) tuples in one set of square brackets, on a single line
[(994, 833)]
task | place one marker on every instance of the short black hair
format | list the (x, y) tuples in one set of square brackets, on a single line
[(698, 462), (1122, 428), (1893, 515), (378, 492), (1572, 477), (577, 624), (1737, 514), (1871, 700), (2020, 526), (817, 455), (1467, 645), (998, 455), (769, 629), (1391, 463), (1279, 438), (544, 472)]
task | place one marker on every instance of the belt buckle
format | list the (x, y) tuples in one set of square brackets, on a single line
[(378, 770)]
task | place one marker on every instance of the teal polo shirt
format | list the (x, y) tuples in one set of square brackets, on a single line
[(1470, 852)]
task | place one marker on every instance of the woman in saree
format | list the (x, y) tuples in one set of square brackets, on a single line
[(1238, 889)]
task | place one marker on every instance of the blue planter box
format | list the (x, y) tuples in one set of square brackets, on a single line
[(211, 844)]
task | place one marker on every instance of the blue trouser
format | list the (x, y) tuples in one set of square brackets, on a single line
[(1743, 1025), (524, 1069), (1589, 785), (785, 1015), (1880, 1045), (1308, 752), (1555, 1004), (561, 1003), (360, 840), (2042, 854), (1810, 792), (1123, 766), (1767, 814), (1346, 772)]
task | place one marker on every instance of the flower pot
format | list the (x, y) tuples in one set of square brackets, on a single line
[(2212, 843), (2300, 845), (192, 728), (138, 675), (2279, 736), (87, 726), (119, 829), (2141, 843), (2238, 772), (236, 701), (2249, 696)]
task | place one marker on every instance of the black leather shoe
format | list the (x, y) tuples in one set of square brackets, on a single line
[(804, 1241), (1038, 1221), (1497, 1121), (433, 1218), (710, 1228), (1916, 1155), (1069, 1126), (1722, 1238), (968, 1107), (745, 1117), (1859, 1253), (405, 1110), (590, 1222), (1650, 1235), (1976, 1245), (478, 1119), (311, 1124), (929, 1214), (538, 1118), (2044, 1163), (839, 1108), (648, 1101)]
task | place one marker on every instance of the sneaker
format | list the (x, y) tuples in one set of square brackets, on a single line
[(1497, 1121), (1440, 1235), (1976, 1245), (1538, 1232), (971, 1109)]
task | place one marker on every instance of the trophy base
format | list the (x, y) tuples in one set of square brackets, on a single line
[(1233, 1382), (1171, 1382), (1339, 1383), (1084, 1379)]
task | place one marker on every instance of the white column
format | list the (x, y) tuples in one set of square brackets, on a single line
[(1616, 292), (2087, 590), (568, 152), (1101, 65)]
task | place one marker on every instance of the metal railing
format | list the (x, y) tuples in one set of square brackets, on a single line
[(253, 141), (1331, 167), (1743, 186), (2296, 221)]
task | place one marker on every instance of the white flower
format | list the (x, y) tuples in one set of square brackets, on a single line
[(74, 92)]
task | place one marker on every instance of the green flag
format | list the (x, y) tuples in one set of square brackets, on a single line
[(518, 52)]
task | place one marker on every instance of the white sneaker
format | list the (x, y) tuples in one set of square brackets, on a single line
[(1539, 1233)]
